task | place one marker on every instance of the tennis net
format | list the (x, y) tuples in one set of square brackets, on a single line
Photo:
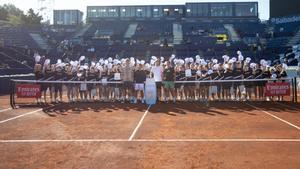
[(39, 92)]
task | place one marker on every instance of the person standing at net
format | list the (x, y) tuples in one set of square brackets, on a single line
[(59, 75), (140, 76), (127, 73), (38, 72), (169, 81), (91, 76), (48, 75), (157, 72)]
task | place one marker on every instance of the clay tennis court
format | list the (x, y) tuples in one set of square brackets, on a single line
[(181, 135)]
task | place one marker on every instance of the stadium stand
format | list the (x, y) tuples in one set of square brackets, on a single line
[(139, 37)]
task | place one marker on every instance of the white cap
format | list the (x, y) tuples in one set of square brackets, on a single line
[(172, 57), (226, 58), (191, 60), (116, 61), (123, 60), (240, 58), (203, 62), (152, 61), (215, 67), (252, 65), (47, 62), (58, 61), (37, 58), (262, 61), (233, 59), (187, 60), (147, 66), (248, 60), (81, 58)]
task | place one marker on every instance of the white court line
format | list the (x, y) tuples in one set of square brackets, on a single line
[(289, 123), (5, 110), (139, 124), (22, 115), (152, 140)]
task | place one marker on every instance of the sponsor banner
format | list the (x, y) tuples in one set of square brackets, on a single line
[(28, 90), (277, 89)]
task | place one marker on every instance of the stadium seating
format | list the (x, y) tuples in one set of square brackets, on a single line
[(150, 37), (17, 36)]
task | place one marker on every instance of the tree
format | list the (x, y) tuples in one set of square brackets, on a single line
[(13, 10), (16, 16), (32, 18), (3, 13), (11, 13)]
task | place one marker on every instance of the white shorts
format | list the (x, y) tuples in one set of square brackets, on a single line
[(139, 86)]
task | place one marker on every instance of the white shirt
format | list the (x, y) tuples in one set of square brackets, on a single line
[(157, 73)]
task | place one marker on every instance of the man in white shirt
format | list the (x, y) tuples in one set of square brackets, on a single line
[(127, 74), (157, 73)]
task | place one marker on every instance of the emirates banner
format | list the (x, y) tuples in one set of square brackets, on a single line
[(277, 89), (28, 90)]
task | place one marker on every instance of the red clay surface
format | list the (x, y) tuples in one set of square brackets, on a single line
[(86, 121), (220, 120), (4, 102), (180, 121), (287, 111), (137, 155)]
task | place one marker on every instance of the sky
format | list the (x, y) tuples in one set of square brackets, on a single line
[(264, 5)]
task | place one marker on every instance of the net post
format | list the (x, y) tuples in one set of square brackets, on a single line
[(12, 94), (295, 90)]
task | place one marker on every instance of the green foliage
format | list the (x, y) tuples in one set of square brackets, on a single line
[(15, 16), (13, 10), (3, 13), (32, 18), (15, 20)]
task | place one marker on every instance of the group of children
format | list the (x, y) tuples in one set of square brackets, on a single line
[(189, 79)]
